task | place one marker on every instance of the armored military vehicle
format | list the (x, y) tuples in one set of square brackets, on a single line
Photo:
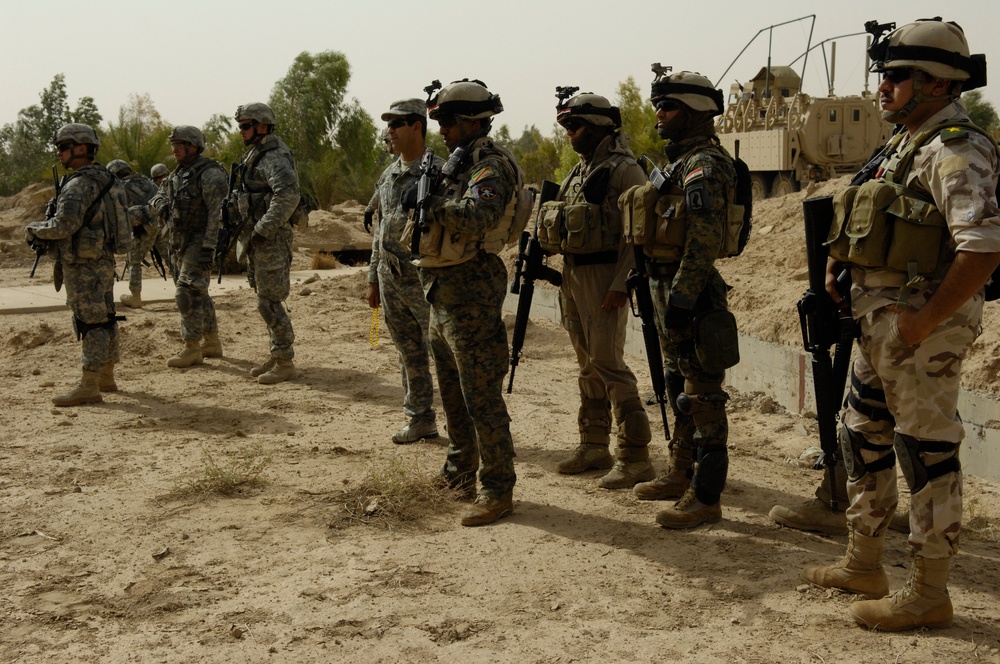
[(789, 138)]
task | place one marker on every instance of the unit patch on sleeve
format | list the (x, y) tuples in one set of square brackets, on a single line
[(486, 192), (694, 176)]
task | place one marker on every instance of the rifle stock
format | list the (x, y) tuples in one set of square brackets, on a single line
[(40, 246), (529, 267)]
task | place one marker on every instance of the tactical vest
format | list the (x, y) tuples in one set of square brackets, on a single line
[(105, 228), (882, 223), (257, 190), (582, 225), (188, 211)]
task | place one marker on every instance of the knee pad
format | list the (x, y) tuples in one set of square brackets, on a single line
[(634, 429), (710, 475), (691, 403), (851, 444), (184, 296), (266, 308), (911, 460), (675, 388)]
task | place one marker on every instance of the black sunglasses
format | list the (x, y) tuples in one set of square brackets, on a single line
[(399, 122), (447, 120), (573, 125), (666, 105), (245, 125), (62, 147), (898, 75)]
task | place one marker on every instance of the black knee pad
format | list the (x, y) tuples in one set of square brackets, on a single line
[(911, 460), (710, 476), (851, 444)]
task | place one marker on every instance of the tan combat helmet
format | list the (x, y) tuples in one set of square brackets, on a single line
[(466, 99), (933, 46), (78, 133), (587, 106), (688, 87)]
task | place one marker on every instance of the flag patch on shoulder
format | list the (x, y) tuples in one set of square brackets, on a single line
[(481, 174), (693, 176)]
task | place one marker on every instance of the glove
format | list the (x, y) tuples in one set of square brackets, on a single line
[(139, 231), (206, 256), (409, 197), (29, 235), (369, 219), (676, 318)]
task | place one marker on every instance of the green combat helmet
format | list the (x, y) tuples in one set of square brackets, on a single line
[(466, 100), (159, 171), (78, 133), (256, 111), (120, 168), (688, 87), (188, 134), (587, 106)]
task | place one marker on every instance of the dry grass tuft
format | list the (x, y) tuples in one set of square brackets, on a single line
[(242, 471), (323, 261)]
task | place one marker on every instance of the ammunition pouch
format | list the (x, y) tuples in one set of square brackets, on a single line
[(638, 206), (83, 329), (716, 340), (575, 228)]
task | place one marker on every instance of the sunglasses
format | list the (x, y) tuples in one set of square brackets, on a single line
[(666, 105), (898, 75), (398, 122), (447, 120), (63, 147), (573, 125), (245, 126)]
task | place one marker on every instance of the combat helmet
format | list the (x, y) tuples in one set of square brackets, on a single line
[(119, 168), (930, 45), (688, 87), (587, 106), (188, 134), (256, 111), (466, 99), (78, 133), (159, 171)]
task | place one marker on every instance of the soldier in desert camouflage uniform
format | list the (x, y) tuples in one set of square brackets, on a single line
[(145, 227), (192, 199), (77, 235), (268, 204), (686, 286), (465, 282), (393, 283), (919, 315)]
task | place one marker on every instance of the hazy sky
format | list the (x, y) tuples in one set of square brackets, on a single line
[(196, 58)]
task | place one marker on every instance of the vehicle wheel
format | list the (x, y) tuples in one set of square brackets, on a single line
[(759, 186), (783, 185)]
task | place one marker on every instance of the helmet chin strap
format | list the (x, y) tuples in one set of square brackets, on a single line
[(896, 117)]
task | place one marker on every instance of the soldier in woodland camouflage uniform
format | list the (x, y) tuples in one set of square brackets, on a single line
[(268, 202), (192, 197), (465, 282), (918, 320), (77, 238), (686, 287), (393, 283), (145, 227), (597, 260)]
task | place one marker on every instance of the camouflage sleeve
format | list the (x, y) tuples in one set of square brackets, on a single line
[(704, 183), (73, 202), (375, 204), (627, 175), (481, 207), (214, 189), (279, 171), (961, 175)]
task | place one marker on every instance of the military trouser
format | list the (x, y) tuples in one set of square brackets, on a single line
[(469, 342), (703, 398), (915, 421), (268, 267), (193, 301), (407, 315), (90, 296), (598, 337), (141, 246)]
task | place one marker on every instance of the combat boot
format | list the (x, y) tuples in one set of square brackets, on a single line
[(263, 368), (632, 465), (191, 354), (85, 391), (672, 484), (586, 456), (132, 300), (487, 509), (626, 473), (106, 378), (860, 571), (813, 515), (689, 512), (281, 371), (922, 602), (418, 429), (211, 345)]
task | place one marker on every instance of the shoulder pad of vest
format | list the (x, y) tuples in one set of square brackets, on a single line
[(952, 133)]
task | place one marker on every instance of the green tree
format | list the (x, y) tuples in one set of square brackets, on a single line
[(982, 112), (140, 137), (86, 112), (639, 120)]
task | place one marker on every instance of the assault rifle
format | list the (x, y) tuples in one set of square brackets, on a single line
[(825, 325), (430, 175), (528, 267), (41, 246), (227, 233)]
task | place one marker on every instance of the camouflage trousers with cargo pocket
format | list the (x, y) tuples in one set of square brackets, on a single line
[(268, 267), (90, 296), (903, 405)]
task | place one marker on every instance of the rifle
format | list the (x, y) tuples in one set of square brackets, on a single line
[(226, 235), (429, 175), (824, 324), (640, 299), (154, 254), (40, 246), (528, 267)]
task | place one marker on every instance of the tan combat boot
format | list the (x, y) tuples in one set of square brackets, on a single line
[(689, 512), (86, 391), (860, 570), (922, 602), (191, 354), (133, 300), (281, 371), (106, 378), (262, 368), (211, 345), (673, 483), (632, 465), (417, 429), (586, 456), (487, 509), (813, 515)]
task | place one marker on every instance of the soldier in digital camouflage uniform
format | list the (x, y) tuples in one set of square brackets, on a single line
[(268, 202), (918, 321), (593, 297), (686, 287), (393, 283), (372, 210), (191, 200), (76, 236), (465, 282), (145, 227)]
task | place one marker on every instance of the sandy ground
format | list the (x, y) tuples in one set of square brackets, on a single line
[(104, 560)]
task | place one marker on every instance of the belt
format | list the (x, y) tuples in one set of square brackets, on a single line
[(599, 258), (660, 270)]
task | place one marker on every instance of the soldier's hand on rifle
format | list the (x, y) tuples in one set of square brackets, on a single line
[(369, 219), (676, 318), (408, 199), (29, 234)]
